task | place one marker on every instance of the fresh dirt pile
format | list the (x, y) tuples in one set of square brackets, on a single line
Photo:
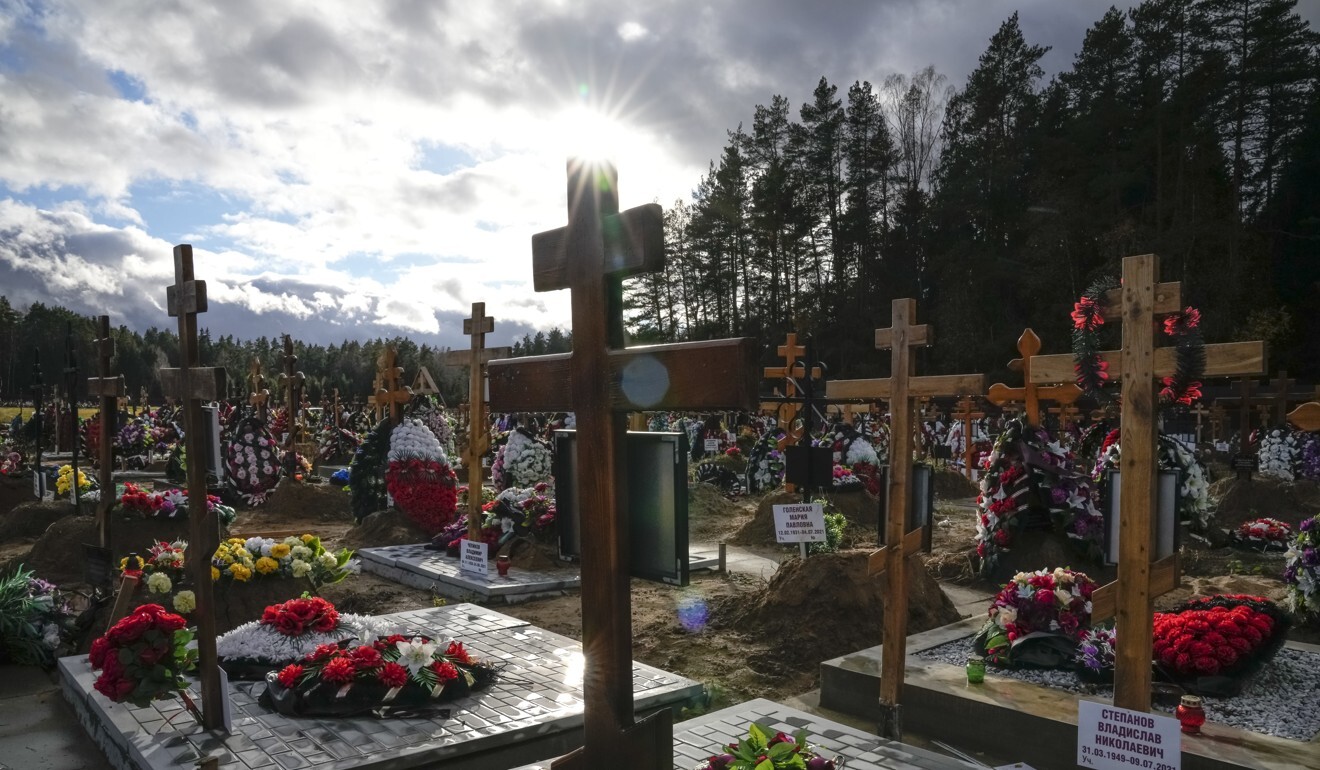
[(712, 517), (953, 544), (860, 508), (827, 605), (296, 500), (1239, 501), (952, 485), (1042, 549), (57, 555), (387, 527), (530, 555), (14, 491), (31, 518)]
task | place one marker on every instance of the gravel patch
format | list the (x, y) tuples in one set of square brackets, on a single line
[(1281, 699)]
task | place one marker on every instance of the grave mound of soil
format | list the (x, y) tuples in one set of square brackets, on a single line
[(1239, 501), (860, 508), (711, 515), (57, 555), (14, 491), (387, 527), (827, 605), (952, 485), (31, 519), (525, 554), (296, 500), (1041, 549)]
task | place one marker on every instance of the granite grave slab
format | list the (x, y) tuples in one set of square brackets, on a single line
[(534, 710), (414, 565)]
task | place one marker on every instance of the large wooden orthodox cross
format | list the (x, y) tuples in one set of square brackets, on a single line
[(1280, 397), (258, 396), (1139, 363), (478, 326), (600, 381), (1031, 394), (38, 389), (391, 393), (109, 388), (786, 411), (900, 388), (292, 380), (965, 415), (192, 384)]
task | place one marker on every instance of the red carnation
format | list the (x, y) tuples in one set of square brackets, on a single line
[(339, 670), (392, 675), (97, 654), (366, 657), (445, 670), (288, 676), (457, 652), (322, 652)]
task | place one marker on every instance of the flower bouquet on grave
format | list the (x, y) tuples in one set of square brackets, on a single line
[(1263, 534), (35, 618), (64, 481), (173, 504), (1095, 655), (1194, 502), (240, 560), (765, 463), (1309, 467), (252, 462), (1036, 619), (366, 474), (143, 658), (11, 462), (1278, 454), (1301, 571), (290, 631), (388, 676), (765, 748), (419, 478), (527, 461), (1210, 645)]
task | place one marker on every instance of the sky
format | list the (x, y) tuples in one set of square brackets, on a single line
[(348, 169)]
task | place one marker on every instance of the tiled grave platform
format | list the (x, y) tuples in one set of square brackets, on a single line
[(697, 739), (415, 566), (994, 716), (533, 711)]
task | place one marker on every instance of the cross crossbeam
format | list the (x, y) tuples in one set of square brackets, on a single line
[(786, 411), (1031, 394), (600, 382), (900, 544), (259, 395)]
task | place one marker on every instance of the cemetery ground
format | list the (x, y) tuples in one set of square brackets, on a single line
[(759, 631)]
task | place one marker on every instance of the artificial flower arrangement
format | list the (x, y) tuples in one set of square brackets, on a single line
[(1047, 610), (534, 507), (169, 504), (857, 454), (765, 463), (1301, 571), (1309, 465), (387, 675), (333, 443), (765, 748), (1095, 654), (64, 482), (366, 474), (290, 631), (1264, 533), (450, 538), (1028, 473), (252, 460), (11, 462), (419, 477), (527, 461), (242, 560), (1278, 453), (1209, 643), (161, 568), (434, 417), (1194, 492), (144, 657), (35, 618)]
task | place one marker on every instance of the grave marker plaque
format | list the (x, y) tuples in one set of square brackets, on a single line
[(600, 381)]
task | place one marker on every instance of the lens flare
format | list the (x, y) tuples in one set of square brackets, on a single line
[(693, 613)]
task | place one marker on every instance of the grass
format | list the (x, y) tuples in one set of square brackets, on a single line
[(7, 413)]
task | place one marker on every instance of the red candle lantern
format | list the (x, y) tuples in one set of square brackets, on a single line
[(1190, 714)]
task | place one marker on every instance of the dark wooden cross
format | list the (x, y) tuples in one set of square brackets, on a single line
[(1201, 412), (600, 381), (71, 398), (292, 380), (965, 415), (900, 388), (109, 388), (478, 434), (259, 396), (336, 415), (1139, 363), (38, 414), (391, 393), (1280, 398), (1218, 415), (786, 411), (193, 384), (1031, 394)]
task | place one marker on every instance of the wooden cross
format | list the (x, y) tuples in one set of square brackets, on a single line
[(71, 378), (336, 414), (1065, 413), (1139, 363), (1031, 394), (1281, 383), (1217, 417), (601, 381), (786, 411), (966, 415), (259, 396), (292, 380), (424, 384), (1245, 400), (38, 414), (477, 327), (109, 388), (1200, 411), (192, 384), (892, 559), (391, 394)]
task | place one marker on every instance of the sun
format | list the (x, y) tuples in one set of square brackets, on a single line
[(588, 134)]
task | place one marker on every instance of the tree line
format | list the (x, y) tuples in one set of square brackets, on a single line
[(1187, 128)]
